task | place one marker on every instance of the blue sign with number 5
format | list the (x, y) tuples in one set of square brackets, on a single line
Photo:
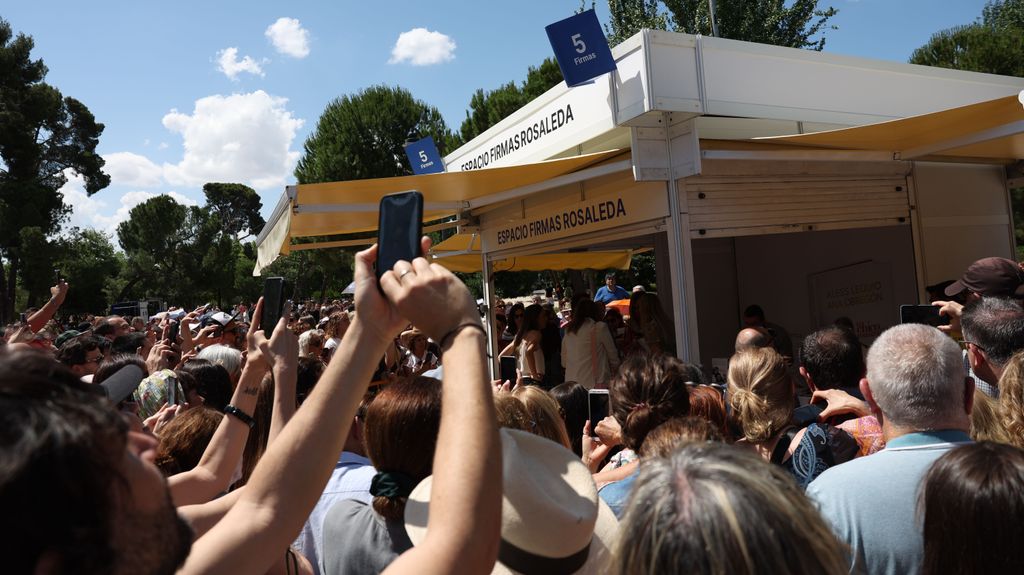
[(424, 157), (580, 47)]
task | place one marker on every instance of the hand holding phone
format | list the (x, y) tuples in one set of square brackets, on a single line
[(597, 406), (399, 230), (273, 303), (508, 369), (926, 314)]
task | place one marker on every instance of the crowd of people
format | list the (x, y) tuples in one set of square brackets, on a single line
[(365, 436)]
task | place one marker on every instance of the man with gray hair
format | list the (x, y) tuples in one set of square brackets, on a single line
[(917, 387), (993, 330)]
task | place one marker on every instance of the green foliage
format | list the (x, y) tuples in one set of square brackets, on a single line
[(763, 21), (90, 265), (189, 255), (488, 108), (363, 136), (37, 269), (994, 44), (627, 17), (236, 208), (43, 134)]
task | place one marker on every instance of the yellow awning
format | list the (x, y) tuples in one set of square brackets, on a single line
[(461, 253), (441, 194), (991, 131), (314, 210)]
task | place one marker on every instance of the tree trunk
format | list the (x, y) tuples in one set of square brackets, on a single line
[(3, 296), (12, 283)]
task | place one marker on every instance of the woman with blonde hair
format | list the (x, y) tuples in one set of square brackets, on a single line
[(545, 417), (1011, 399), (761, 398), (711, 508), (986, 423)]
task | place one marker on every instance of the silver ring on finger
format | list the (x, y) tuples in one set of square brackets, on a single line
[(403, 274)]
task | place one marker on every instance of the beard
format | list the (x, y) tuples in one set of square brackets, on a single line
[(155, 543)]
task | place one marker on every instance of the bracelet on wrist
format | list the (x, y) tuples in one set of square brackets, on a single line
[(449, 337), (240, 415)]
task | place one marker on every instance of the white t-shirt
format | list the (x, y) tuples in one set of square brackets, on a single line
[(589, 355)]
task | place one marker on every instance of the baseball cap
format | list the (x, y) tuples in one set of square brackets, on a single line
[(990, 277), (64, 337)]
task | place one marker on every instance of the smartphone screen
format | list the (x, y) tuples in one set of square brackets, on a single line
[(399, 229), (273, 303), (508, 369), (926, 314), (598, 408)]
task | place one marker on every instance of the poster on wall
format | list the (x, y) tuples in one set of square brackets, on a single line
[(860, 292)]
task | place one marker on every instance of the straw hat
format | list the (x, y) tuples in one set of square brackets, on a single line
[(552, 520)]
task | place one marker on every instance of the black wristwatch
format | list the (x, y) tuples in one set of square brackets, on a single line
[(241, 415)]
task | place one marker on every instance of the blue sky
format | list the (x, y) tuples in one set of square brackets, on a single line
[(228, 91)]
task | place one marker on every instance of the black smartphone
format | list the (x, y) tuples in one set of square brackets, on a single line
[(508, 369), (926, 314), (399, 229), (597, 404), (171, 331), (56, 276), (273, 303), (23, 318)]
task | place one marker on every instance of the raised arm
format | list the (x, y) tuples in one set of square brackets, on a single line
[(284, 345), (213, 473), (57, 294), (292, 473), (464, 529)]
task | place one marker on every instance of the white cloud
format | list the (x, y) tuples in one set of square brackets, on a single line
[(162, 146), (289, 37), (231, 66), (421, 47), (239, 138), (92, 212), (128, 169)]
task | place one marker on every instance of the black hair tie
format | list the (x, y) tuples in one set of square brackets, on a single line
[(392, 485)]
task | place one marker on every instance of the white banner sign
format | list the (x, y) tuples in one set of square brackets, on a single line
[(568, 120)]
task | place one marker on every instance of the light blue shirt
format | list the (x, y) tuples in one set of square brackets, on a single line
[(871, 502), (605, 295), (616, 494), (350, 480)]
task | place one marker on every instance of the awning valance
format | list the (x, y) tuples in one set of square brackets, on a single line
[(989, 131), (334, 208)]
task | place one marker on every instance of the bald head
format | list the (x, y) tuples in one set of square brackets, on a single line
[(752, 338)]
